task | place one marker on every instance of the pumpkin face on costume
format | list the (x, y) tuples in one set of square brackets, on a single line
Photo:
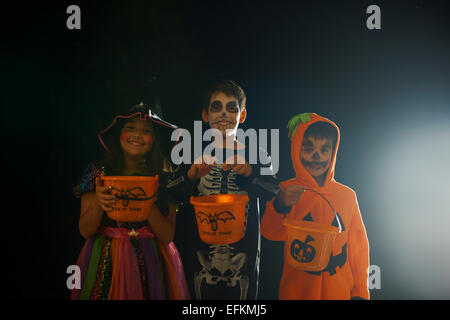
[(302, 251)]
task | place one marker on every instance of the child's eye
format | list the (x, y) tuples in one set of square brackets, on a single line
[(326, 150), (307, 149), (129, 127), (215, 106), (232, 107)]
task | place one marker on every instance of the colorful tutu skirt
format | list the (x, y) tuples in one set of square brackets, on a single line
[(117, 263)]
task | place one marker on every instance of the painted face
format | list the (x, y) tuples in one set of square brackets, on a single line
[(316, 154), (136, 137), (224, 113)]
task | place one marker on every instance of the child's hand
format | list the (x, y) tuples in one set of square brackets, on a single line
[(290, 195), (196, 171), (104, 197), (238, 165)]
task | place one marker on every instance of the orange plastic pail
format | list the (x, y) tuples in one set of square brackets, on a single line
[(134, 196), (220, 218), (309, 244)]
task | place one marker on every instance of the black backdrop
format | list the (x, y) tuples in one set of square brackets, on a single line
[(60, 87)]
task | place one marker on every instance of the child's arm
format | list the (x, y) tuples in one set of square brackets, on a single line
[(287, 197), (178, 185), (162, 216), (93, 205), (250, 178), (358, 254), (272, 222), (90, 215), (182, 180), (163, 226)]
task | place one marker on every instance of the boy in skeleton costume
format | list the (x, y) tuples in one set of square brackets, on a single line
[(222, 271)]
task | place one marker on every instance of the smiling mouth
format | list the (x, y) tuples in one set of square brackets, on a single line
[(135, 143), (223, 122), (314, 165)]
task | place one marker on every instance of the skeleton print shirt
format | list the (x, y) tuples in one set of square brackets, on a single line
[(221, 271)]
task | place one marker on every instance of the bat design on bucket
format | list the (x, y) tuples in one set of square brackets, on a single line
[(135, 193), (223, 216)]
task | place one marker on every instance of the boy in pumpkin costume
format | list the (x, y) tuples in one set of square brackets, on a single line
[(314, 144)]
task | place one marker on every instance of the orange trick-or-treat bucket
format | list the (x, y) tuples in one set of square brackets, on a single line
[(308, 244), (134, 196), (220, 218)]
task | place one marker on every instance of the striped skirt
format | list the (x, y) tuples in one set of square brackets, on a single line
[(117, 263)]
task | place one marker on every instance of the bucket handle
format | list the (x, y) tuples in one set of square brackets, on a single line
[(334, 211)]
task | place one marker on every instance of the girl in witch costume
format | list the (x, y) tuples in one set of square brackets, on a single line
[(129, 260)]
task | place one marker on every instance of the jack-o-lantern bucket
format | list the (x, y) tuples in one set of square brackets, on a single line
[(134, 196), (220, 218), (308, 244)]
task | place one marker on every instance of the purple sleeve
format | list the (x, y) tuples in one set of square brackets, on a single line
[(87, 182)]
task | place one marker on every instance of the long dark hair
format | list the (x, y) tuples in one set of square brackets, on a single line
[(115, 162), (153, 164)]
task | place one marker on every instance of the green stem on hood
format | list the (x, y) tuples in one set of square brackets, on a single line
[(295, 121)]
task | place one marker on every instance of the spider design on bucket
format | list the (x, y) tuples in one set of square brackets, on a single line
[(223, 216), (134, 193), (302, 251)]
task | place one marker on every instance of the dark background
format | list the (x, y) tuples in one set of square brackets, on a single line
[(388, 90)]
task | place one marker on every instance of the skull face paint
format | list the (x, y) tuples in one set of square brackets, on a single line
[(316, 154), (224, 113)]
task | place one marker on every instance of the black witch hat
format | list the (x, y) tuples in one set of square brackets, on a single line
[(142, 110)]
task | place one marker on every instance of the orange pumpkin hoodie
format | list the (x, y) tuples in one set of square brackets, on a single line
[(346, 275)]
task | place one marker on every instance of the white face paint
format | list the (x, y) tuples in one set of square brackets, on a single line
[(316, 155), (224, 113)]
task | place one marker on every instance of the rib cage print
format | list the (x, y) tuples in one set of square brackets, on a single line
[(218, 181), (219, 263)]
